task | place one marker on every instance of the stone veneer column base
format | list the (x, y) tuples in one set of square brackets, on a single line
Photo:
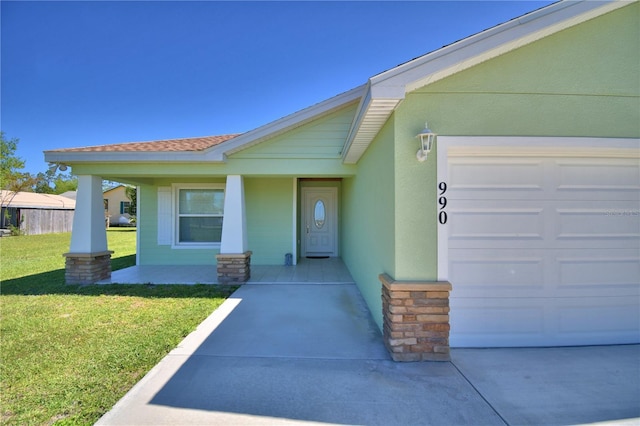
[(416, 319), (87, 268), (234, 268)]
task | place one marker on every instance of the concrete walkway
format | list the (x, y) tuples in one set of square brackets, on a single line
[(308, 353)]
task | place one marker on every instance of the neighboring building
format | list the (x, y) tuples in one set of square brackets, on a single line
[(70, 194), (528, 205), (117, 206), (33, 213)]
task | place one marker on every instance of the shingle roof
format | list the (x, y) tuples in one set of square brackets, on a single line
[(169, 145)]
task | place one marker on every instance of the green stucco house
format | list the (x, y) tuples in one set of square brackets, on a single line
[(526, 209)]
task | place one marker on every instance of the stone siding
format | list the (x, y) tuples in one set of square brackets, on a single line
[(87, 268), (416, 319), (234, 268)]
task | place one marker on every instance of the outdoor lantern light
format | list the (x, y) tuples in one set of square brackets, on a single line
[(57, 166), (427, 138)]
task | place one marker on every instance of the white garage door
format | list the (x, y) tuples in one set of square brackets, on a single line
[(542, 242)]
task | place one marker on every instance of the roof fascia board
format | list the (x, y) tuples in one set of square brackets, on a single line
[(387, 91), (365, 100), (72, 157), (492, 42)]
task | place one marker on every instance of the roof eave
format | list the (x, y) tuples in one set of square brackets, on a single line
[(74, 157), (373, 111), (217, 153), (386, 90), (493, 42)]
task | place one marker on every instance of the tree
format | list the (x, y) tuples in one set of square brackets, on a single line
[(9, 163), (42, 184), (12, 180), (132, 194), (51, 183), (63, 183)]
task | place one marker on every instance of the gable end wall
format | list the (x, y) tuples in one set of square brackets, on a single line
[(580, 82)]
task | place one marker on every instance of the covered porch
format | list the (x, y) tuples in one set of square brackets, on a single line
[(279, 216), (311, 271)]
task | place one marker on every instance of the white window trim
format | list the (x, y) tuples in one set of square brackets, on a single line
[(175, 197), (123, 209)]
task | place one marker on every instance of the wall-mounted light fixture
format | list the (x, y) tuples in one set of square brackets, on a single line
[(57, 166), (427, 138)]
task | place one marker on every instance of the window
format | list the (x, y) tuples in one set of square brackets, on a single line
[(199, 215), (318, 214), (125, 207)]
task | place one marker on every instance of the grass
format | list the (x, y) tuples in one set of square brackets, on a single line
[(70, 352)]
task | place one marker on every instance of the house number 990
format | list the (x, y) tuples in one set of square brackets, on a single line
[(442, 202)]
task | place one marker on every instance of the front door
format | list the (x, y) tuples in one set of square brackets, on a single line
[(319, 222)]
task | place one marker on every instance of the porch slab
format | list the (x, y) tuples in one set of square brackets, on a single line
[(326, 271)]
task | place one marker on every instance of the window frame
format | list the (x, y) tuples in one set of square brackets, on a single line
[(176, 188), (124, 206)]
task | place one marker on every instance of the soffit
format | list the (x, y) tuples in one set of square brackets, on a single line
[(375, 114)]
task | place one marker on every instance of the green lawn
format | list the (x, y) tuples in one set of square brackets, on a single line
[(70, 352)]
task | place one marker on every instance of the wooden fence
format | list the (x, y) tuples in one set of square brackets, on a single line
[(41, 221)]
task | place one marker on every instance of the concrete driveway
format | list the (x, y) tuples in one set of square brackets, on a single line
[(310, 353)]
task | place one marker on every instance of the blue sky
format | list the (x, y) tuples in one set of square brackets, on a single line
[(98, 72)]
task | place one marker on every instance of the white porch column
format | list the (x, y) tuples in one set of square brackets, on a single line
[(234, 224), (234, 260), (89, 259), (89, 234)]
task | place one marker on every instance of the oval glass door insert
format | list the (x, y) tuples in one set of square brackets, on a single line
[(318, 214)]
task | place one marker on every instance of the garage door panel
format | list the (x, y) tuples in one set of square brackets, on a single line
[(511, 322), (543, 224), (526, 273), (609, 270), (473, 178), (615, 315), (496, 273), (483, 224), (545, 178), (597, 224), (597, 178), (495, 322)]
